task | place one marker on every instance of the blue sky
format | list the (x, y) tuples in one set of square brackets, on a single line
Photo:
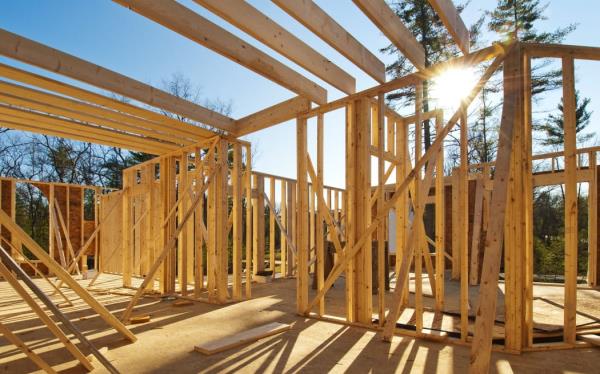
[(107, 34)]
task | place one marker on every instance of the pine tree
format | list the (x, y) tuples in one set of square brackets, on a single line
[(420, 18), (517, 20), (554, 127)]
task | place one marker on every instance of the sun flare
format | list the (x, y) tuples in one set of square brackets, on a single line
[(453, 85)]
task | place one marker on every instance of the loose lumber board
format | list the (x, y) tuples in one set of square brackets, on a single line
[(242, 338), (591, 338)]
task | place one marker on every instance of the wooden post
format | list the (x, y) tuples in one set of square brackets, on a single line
[(592, 277), (258, 224), (481, 346), (126, 230), (526, 171), (51, 225), (199, 225), (302, 240), (350, 207), (221, 184), (571, 229), (236, 181), (440, 219), (381, 260), (182, 241), (358, 186), (418, 211), (320, 245), (284, 222), (272, 226), (402, 203), (463, 227), (248, 184)]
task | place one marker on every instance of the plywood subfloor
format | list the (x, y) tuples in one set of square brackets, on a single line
[(166, 343)]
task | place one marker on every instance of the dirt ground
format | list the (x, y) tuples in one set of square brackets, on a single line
[(165, 344)]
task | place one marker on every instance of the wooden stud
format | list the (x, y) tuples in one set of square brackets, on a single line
[(302, 239), (592, 276), (463, 227), (236, 181), (440, 219), (249, 239), (571, 230), (379, 119), (284, 227), (272, 214), (320, 245), (258, 225)]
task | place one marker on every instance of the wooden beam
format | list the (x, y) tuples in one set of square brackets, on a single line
[(390, 24), (186, 22), (481, 346), (70, 134), (309, 14), (241, 338), (33, 53), (455, 25), (271, 116), (58, 105), (258, 25), (84, 128), (165, 123), (540, 50)]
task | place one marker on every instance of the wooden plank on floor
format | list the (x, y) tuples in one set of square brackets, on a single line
[(590, 338), (242, 338)]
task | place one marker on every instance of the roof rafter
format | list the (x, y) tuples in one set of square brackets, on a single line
[(80, 132), (33, 53), (453, 22), (321, 24), (163, 122), (258, 25), (190, 24), (27, 97), (390, 24)]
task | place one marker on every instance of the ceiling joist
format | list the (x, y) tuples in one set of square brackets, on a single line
[(33, 53), (453, 22), (193, 26), (37, 100), (258, 25), (390, 24), (79, 132), (28, 117), (153, 120), (321, 24)]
